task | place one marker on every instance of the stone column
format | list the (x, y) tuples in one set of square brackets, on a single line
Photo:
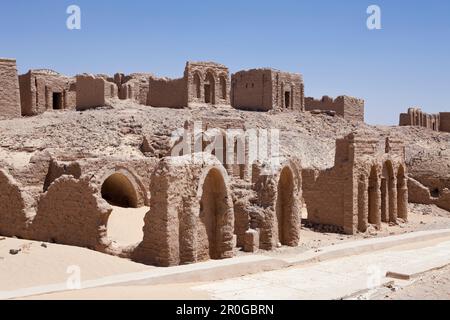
[(402, 196), (363, 206), (393, 201), (384, 200)]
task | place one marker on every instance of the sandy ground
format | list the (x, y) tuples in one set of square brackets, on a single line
[(37, 265), (125, 225), (434, 285)]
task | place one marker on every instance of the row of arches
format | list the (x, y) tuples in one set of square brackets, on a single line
[(382, 196), (209, 88)]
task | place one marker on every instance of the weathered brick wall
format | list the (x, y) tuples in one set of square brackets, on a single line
[(323, 192), (445, 121), (37, 88), (13, 216), (167, 93), (283, 83), (94, 91), (72, 213), (9, 89), (415, 117), (213, 72), (252, 90), (347, 107), (267, 89), (176, 227)]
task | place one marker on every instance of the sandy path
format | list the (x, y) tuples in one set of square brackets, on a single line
[(38, 266), (125, 225)]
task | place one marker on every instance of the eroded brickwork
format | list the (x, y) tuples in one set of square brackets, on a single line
[(9, 89)]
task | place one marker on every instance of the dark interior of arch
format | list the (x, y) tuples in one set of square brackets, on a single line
[(118, 191)]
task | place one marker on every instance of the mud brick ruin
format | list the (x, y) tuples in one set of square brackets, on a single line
[(200, 206), (42, 90), (344, 106), (435, 122), (9, 89), (367, 185), (266, 90)]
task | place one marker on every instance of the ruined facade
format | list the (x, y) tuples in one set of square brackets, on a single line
[(9, 89), (266, 90), (203, 83), (344, 106), (94, 91), (367, 186), (415, 117), (42, 90), (134, 86)]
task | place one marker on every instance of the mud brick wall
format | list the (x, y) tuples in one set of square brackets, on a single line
[(167, 93), (9, 89), (347, 107)]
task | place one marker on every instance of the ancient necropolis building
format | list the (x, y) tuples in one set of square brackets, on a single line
[(416, 117), (267, 89), (344, 106), (9, 89), (203, 83), (42, 90), (367, 185)]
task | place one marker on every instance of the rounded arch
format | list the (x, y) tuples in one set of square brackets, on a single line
[(223, 86), (215, 215), (118, 190), (402, 193), (374, 216), (388, 193), (197, 84), (210, 87), (287, 208)]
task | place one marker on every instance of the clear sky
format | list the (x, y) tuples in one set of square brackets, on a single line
[(404, 64)]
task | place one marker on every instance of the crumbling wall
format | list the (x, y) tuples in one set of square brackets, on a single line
[(9, 89), (344, 106), (134, 86), (366, 186), (418, 193), (94, 91), (187, 223), (444, 125), (415, 117), (279, 197), (323, 192), (72, 213), (167, 93), (207, 83), (252, 90), (14, 205)]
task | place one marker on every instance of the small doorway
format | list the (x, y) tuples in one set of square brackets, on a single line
[(57, 100), (287, 99), (207, 93)]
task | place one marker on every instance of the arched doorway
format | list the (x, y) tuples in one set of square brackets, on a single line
[(197, 82), (210, 89), (402, 194), (118, 191), (213, 211), (223, 87), (374, 196), (126, 221), (388, 194), (362, 204), (285, 206)]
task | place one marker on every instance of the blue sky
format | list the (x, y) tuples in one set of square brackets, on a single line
[(404, 64)]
